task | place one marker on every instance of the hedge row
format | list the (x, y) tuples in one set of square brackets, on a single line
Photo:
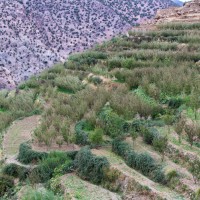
[(27, 155), (142, 162), (91, 167), (46, 167)]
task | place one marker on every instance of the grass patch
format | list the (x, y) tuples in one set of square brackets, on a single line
[(66, 91)]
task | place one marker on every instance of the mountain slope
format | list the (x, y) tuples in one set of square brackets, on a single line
[(180, 3), (35, 34)]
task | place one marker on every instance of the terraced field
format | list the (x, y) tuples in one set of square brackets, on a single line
[(159, 190), (19, 132), (79, 189), (131, 106)]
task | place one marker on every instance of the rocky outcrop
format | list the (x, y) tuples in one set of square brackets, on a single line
[(190, 12), (6, 80)]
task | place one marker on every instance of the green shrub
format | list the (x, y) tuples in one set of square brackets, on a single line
[(45, 169), (121, 148), (171, 174), (31, 83), (91, 167), (114, 63), (131, 159), (197, 195), (27, 155), (96, 80), (175, 103), (145, 163), (16, 171), (71, 154), (138, 125), (82, 137), (195, 170), (6, 184), (112, 124), (160, 144), (159, 176), (96, 137), (149, 134), (142, 162)]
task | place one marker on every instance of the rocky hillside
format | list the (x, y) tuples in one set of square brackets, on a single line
[(35, 34), (190, 12)]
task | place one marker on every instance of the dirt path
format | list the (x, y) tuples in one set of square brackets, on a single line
[(119, 164), (76, 188), (13, 160), (20, 131)]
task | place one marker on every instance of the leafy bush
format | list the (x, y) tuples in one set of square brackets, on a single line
[(96, 137), (16, 171), (114, 63), (149, 134), (175, 103), (27, 155), (96, 80), (138, 125), (6, 184), (131, 159), (160, 144), (91, 167), (112, 124), (45, 169), (171, 174), (71, 154), (31, 83), (197, 195), (120, 148), (145, 163), (82, 137), (159, 176), (142, 162)]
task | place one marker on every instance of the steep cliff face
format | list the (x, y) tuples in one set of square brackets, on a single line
[(35, 34)]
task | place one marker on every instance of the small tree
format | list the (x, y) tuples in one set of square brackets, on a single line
[(160, 144), (59, 141), (179, 127), (191, 132), (97, 137), (195, 170), (195, 102), (133, 134), (168, 121)]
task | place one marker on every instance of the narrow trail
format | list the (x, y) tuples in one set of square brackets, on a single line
[(119, 164), (13, 160)]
